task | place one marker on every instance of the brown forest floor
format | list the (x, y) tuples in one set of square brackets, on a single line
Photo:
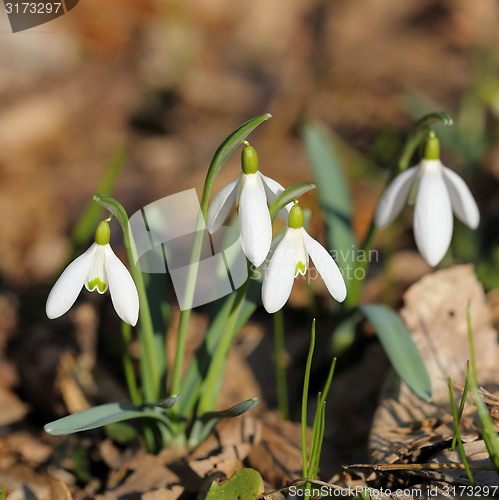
[(169, 80)]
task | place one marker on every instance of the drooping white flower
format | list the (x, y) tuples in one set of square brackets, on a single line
[(439, 191), (291, 257), (252, 191), (98, 269)]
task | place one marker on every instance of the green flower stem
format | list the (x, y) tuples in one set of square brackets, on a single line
[(133, 390), (228, 146), (186, 313), (149, 360), (419, 133), (280, 366), (217, 366)]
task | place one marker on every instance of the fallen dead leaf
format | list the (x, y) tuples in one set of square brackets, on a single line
[(278, 456), (30, 449), (12, 408), (409, 430), (25, 483)]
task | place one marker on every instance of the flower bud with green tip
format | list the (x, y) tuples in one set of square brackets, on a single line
[(291, 258), (98, 269), (253, 192), (437, 192)]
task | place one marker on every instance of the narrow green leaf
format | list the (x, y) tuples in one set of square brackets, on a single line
[(462, 404), (165, 403), (400, 348), (4, 492), (489, 434), (457, 433), (98, 417), (304, 401), (116, 208), (193, 379), (233, 411), (289, 195), (228, 146), (333, 193), (88, 220), (212, 418)]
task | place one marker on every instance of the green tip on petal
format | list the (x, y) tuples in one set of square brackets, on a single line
[(103, 233), (295, 217), (249, 160), (432, 147), (97, 283), (300, 268)]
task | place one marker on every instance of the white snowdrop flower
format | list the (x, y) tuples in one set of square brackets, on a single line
[(291, 257), (98, 269), (438, 191), (252, 191)]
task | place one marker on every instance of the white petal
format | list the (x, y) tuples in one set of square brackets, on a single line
[(433, 216), (301, 253), (326, 267), (67, 288), (254, 220), (122, 287), (220, 206), (280, 274), (463, 203), (273, 189), (394, 198), (273, 246), (97, 276)]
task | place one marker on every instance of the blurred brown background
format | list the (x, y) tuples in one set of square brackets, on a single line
[(170, 79)]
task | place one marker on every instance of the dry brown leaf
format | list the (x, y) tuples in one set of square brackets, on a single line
[(29, 448), (23, 482), (164, 494), (278, 456), (230, 444), (12, 409), (149, 472), (407, 429)]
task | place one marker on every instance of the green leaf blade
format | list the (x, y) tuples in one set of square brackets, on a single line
[(333, 193), (228, 146), (233, 411), (400, 348), (289, 195), (87, 222), (98, 416)]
